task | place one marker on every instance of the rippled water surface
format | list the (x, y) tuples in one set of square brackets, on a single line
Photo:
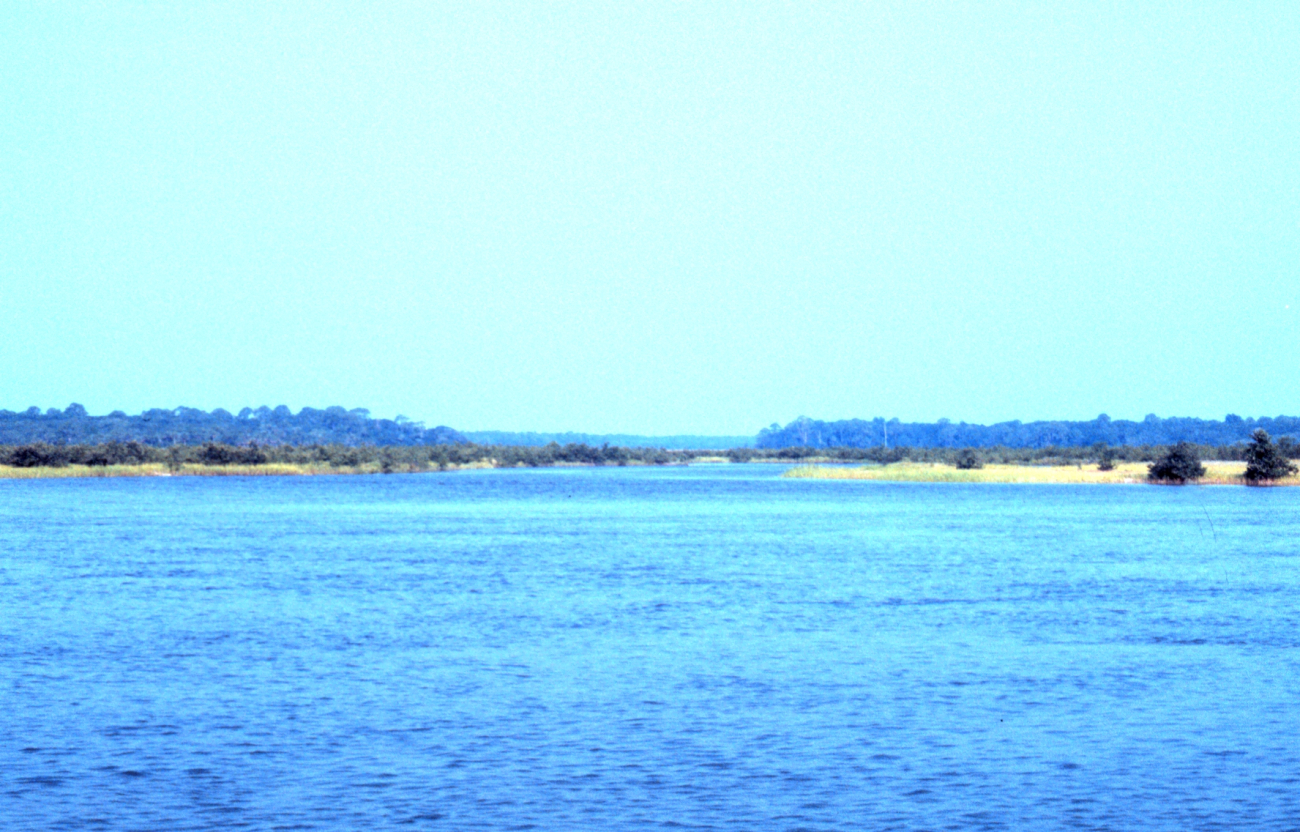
[(710, 647)]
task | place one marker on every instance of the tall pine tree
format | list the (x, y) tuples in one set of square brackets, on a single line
[(1264, 462)]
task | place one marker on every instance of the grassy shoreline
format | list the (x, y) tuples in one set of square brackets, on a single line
[(283, 469), (1128, 473), (158, 469)]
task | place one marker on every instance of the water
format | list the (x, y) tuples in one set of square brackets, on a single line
[(711, 647)]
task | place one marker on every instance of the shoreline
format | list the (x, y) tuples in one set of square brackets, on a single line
[(1126, 473), (292, 469), (269, 469)]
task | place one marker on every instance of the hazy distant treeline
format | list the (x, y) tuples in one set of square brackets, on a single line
[(859, 433), (682, 442), (267, 427), (190, 426), (1001, 454)]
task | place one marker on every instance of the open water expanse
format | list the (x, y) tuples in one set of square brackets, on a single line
[(710, 647)]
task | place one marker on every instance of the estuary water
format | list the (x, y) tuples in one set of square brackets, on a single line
[(711, 647)]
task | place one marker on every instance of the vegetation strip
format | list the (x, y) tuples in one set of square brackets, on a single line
[(1262, 463), (1218, 473), (1258, 462), (136, 458)]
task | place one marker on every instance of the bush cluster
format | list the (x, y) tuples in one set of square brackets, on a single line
[(386, 457), (43, 455), (1265, 461), (1180, 464)]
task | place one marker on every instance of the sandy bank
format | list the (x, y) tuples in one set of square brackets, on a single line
[(1217, 473)]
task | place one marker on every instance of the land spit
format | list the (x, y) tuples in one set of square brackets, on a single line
[(1124, 473)]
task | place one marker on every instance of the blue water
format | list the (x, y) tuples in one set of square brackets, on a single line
[(710, 647)]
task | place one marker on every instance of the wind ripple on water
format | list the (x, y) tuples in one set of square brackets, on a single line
[(703, 648)]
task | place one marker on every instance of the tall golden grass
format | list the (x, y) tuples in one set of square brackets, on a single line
[(1217, 473), (154, 469)]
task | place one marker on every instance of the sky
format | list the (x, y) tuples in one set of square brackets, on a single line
[(652, 218)]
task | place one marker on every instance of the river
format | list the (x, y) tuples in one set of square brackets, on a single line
[(705, 647)]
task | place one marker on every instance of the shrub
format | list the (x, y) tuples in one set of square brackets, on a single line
[(967, 459), (1264, 461), (216, 453), (799, 452), (1288, 448), (1180, 464), (38, 455), (1105, 457)]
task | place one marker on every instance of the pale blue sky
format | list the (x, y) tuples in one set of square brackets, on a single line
[(659, 219)]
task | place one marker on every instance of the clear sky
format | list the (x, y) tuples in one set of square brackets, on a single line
[(653, 218)]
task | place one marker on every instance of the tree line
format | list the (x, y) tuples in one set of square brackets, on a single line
[(426, 457), (190, 426), (1099, 453), (680, 442), (1151, 431), (383, 457), (161, 428)]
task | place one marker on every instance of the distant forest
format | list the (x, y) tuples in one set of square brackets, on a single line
[(265, 426), (683, 442), (189, 426), (858, 433)]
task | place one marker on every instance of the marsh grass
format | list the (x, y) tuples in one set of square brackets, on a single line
[(158, 469), (68, 471), (1217, 473)]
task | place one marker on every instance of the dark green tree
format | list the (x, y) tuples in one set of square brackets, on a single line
[(1264, 461), (1105, 456), (1180, 464), (967, 459)]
